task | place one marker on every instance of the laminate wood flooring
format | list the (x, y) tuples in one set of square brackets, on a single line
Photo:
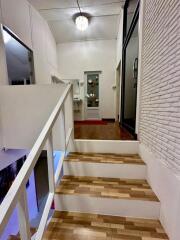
[(107, 188), (105, 158), (80, 226), (109, 131)]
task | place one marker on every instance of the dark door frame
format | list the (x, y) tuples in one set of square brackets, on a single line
[(126, 38)]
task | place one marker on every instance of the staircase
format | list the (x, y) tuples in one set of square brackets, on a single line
[(105, 196), (101, 196)]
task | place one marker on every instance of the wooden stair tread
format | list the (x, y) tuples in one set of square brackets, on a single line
[(80, 226), (17, 237), (105, 158), (107, 188)]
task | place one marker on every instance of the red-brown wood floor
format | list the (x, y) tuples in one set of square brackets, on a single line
[(109, 131)]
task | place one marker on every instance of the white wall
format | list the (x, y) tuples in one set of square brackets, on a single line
[(166, 184), (28, 25), (119, 40), (26, 22), (159, 127), (44, 47), (77, 57), (160, 85), (25, 110)]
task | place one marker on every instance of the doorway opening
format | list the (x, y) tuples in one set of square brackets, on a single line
[(130, 65), (93, 126), (19, 59), (92, 104)]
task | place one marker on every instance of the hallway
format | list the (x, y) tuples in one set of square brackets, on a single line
[(100, 84)]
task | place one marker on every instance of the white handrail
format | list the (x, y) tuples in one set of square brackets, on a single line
[(18, 187)]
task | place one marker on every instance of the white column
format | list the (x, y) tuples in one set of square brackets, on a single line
[(63, 124), (72, 112)]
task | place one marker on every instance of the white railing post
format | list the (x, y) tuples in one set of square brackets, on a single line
[(23, 217), (50, 160), (72, 111), (63, 128)]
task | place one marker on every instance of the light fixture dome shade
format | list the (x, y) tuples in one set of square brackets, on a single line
[(82, 23)]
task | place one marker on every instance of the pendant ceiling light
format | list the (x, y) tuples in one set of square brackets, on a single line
[(82, 22)]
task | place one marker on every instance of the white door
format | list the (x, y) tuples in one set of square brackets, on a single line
[(118, 74), (92, 95)]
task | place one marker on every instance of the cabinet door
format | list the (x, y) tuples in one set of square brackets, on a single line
[(16, 16)]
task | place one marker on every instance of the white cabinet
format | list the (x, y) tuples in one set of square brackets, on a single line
[(16, 16)]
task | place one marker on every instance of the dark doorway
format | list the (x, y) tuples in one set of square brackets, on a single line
[(41, 180), (130, 65), (19, 60)]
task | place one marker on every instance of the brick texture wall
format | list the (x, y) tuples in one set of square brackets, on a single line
[(160, 87)]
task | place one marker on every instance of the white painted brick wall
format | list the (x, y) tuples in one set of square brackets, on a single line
[(160, 88)]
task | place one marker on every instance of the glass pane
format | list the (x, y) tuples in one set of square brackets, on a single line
[(93, 90), (131, 71), (130, 13), (19, 61)]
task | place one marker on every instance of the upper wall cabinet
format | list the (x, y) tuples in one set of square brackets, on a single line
[(16, 16)]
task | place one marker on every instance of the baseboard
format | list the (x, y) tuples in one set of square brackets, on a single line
[(112, 120), (166, 184)]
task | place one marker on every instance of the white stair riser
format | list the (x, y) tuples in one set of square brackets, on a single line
[(108, 206), (106, 146), (130, 171)]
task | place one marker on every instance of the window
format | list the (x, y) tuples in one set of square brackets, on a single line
[(19, 60)]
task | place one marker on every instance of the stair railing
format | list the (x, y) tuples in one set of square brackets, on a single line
[(16, 195)]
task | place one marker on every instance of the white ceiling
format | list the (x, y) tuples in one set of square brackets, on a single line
[(105, 16)]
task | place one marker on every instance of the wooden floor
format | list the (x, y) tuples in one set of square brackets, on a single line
[(105, 158), (106, 187), (80, 226), (110, 131)]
